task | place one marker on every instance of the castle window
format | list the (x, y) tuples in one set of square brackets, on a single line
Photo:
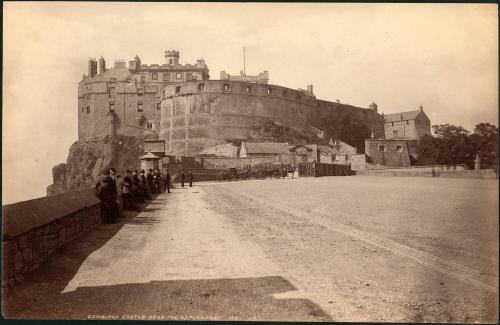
[(149, 125), (381, 148), (111, 92), (154, 76), (365, 116), (143, 79), (399, 148), (329, 107), (170, 61), (201, 87), (111, 107), (177, 89), (166, 76), (418, 121), (225, 87), (249, 89), (140, 92), (139, 107), (88, 109), (178, 76), (269, 91), (392, 123), (158, 106)]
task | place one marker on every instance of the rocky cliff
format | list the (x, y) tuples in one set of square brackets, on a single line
[(87, 159)]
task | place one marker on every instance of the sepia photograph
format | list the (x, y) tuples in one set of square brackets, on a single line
[(298, 162)]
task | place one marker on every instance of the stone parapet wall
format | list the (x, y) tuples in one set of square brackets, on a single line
[(42, 227), (427, 172)]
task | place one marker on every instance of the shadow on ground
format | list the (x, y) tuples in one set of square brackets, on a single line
[(234, 299), (41, 297)]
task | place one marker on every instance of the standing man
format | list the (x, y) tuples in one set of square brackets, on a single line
[(150, 179), (182, 178), (106, 191), (127, 192), (167, 180), (190, 178)]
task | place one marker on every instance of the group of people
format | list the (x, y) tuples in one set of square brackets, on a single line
[(127, 192)]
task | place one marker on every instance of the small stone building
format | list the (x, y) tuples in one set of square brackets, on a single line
[(391, 152), (410, 125)]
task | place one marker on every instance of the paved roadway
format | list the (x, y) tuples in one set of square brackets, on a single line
[(258, 250)]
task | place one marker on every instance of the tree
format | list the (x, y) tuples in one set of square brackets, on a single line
[(454, 145), (484, 142), (428, 150)]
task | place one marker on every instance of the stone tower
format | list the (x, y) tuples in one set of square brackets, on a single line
[(102, 65), (172, 57)]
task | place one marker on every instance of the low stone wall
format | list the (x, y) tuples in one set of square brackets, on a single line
[(34, 230), (427, 172)]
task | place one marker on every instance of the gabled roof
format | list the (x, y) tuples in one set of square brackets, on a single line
[(266, 147), (294, 148), (326, 149), (403, 116), (149, 155)]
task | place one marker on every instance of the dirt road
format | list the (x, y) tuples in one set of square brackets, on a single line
[(284, 250)]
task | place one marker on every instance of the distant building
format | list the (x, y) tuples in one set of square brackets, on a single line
[(410, 125), (262, 78), (391, 152), (258, 149), (132, 95)]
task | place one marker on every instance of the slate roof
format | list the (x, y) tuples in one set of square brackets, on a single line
[(20, 217), (411, 115), (266, 147), (120, 74)]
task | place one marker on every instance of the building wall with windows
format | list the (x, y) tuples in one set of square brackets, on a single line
[(198, 115), (391, 152), (132, 94), (407, 125)]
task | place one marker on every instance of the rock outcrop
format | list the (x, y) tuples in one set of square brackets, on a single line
[(87, 159)]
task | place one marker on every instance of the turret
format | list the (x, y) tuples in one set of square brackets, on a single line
[(92, 67), (172, 57), (102, 65), (135, 64), (374, 107)]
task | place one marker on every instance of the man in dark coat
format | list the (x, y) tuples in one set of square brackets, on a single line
[(190, 178), (143, 182), (167, 179), (136, 195), (126, 187), (150, 179), (182, 178), (106, 191)]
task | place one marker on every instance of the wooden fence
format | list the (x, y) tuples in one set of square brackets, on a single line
[(315, 169)]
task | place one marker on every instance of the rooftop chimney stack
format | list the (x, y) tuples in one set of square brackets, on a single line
[(310, 89), (102, 65), (421, 108), (92, 67)]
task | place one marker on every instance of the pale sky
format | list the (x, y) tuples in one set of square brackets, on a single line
[(443, 56)]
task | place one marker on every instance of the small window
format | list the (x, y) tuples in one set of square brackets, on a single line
[(158, 106), (399, 148), (249, 89), (111, 92), (178, 76), (140, 93), (407, 122), (329, 107), (365, 115), (177, 89), (154, 76), (166, 76), (170, 61), (418, 121), (381, 148), (149, 125), (201, 87), (139, 107), (269, 91), (143, 79), (111, 107), (88, 109), (392, 123), (83, 109), (225, 87)]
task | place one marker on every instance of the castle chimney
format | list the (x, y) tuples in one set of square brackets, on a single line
[(92, 67), (374, 106), (310, 89), (421, 108), (102, 65)]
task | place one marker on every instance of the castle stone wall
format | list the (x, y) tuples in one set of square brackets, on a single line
[(199, 114)]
